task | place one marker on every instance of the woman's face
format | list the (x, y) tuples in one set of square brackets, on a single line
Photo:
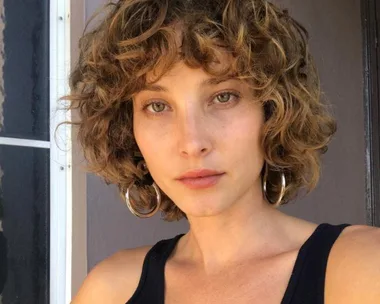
[(189, 121)]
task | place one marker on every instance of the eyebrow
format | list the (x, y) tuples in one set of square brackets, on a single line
[(206, 82)]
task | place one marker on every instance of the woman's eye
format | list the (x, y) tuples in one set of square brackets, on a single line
[(156, 107), (226, 97)]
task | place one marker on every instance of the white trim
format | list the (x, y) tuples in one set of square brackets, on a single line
[(60, 156), (8, 141)]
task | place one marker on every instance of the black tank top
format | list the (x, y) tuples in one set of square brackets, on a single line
[(306, 284)]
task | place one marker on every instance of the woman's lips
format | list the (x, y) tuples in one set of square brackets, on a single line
[(201, 182)]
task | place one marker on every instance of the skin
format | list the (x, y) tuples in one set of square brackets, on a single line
[(239, 248)]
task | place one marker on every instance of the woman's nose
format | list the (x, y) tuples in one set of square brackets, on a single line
[(193, 133)]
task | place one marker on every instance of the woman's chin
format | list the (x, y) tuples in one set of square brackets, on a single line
[(203, 209)]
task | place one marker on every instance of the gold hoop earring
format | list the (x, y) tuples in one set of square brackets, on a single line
[(283, 185), (151, 212)]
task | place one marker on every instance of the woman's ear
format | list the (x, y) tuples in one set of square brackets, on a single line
[(140, 164)]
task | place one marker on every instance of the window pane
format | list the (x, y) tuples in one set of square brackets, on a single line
[(24, 201), (24, 61)]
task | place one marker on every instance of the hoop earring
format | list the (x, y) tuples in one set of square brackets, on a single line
[(151, 212), (283, 185)]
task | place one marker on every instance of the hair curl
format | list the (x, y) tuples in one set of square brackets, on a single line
[(269, 50)]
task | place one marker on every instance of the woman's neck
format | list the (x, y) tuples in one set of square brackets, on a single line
[(249, 229)]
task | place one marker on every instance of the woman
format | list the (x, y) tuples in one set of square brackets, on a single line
[(211, 110)]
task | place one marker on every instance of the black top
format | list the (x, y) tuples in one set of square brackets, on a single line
[(306, 284)]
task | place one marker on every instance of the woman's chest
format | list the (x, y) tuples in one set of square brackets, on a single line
[(264, 283)]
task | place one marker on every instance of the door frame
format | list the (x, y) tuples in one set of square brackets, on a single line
[(370, 11)]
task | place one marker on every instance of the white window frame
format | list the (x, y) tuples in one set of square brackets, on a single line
[(68, 221)]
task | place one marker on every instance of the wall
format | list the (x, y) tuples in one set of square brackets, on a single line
[(335, 31)]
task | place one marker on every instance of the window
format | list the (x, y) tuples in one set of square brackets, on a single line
[(45, 242)]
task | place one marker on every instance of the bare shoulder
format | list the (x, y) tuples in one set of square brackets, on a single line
[(115, 279), (353, 272)]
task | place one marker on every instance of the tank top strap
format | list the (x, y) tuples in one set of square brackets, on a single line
[(151, 286), (307, 282)]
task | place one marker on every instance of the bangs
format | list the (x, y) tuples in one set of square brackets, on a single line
[(200, 47), (152, 38)]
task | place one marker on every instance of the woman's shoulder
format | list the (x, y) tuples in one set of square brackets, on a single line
[(114, 279), (353, 272)]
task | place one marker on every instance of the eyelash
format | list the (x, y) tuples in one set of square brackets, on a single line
[(234, 94)]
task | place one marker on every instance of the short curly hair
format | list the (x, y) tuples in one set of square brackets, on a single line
[(269, 50)]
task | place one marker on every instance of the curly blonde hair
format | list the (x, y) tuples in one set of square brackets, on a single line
[(269, 50)]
